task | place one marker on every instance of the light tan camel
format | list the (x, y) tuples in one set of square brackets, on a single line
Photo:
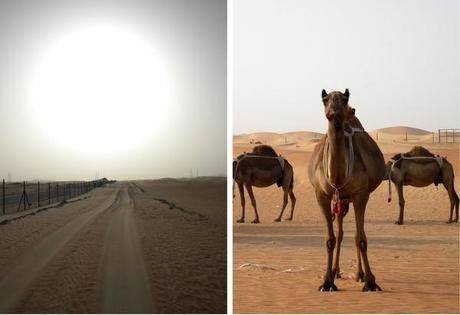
[(346, 166), (262, 168), (420, 168)]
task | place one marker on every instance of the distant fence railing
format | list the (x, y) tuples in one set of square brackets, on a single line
[(449, 135), (21, 196)]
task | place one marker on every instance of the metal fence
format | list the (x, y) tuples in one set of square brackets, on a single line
[(449, 135), (21, 196)]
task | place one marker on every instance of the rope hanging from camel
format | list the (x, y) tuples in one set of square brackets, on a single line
[(438, 159), (351, 161)]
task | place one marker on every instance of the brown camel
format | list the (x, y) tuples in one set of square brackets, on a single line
[(262, 168), (346, 166), (420, 168)]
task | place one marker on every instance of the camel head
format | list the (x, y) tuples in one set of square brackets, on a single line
[(336, 106)]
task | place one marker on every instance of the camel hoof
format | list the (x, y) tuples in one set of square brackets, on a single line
[(240, 221), (328, 287), (255, 221), (371, 287), (449, 222), (359, 277), (277, 220), (399, 223), (288, 219)]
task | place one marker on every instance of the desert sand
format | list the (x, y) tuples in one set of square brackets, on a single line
[(278, 267), (118, 250)]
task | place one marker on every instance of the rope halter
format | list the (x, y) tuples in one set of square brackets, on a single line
[(350, 165)]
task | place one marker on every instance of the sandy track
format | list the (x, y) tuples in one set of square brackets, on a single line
[(28, 267), (126, 284), (103, 254)]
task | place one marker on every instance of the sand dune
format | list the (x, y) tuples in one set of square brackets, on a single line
[(391, 139), (400, 130)]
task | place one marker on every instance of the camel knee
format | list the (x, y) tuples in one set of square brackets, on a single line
[(330, 244), (363, 245)]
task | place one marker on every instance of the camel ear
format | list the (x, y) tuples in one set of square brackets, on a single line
[(352, 111), (323, 93), (347, 93)]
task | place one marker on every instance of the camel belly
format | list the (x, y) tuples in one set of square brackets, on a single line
[(420, 175), (264, 178)]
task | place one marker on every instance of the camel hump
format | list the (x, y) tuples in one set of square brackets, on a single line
[(419, 151), (264, 150), (415, 152)]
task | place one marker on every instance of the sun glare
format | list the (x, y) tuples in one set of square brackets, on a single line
[(100, 89)]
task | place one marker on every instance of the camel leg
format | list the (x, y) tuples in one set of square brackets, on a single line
[(285, 202), (336, 269), (453, 197), (340, 216), (359, 204), (324, 202), (402, 202), (253, 201), (359, 277), (293, 201), (243, 202)]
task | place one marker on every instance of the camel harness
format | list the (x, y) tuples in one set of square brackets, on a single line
[(438, 159), (337, 206), (280, 159)]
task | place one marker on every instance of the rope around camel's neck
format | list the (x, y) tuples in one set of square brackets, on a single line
[(337, 157)]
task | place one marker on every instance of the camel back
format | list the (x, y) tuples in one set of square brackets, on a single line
[(414, 152), (267, 150), (419, 151), (264, 150)]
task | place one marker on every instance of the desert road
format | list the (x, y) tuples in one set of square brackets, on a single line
[(87, 256)]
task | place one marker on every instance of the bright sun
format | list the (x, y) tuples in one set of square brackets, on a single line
[(100, 89)]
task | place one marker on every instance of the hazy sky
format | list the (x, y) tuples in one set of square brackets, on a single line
[(190, 37), (399, 59)]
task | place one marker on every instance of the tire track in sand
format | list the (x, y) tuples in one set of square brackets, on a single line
[(126, 283), (28, 267)]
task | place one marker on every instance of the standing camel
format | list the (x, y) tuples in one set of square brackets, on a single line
[(262, 168), (346, 166), (420, 168)]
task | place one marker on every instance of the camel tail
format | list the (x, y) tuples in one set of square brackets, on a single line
[(456, 199)]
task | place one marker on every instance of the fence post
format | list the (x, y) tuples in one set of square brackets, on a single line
[(24, 194), (49, 193), (64, 191), (3, 201), (38, 193)]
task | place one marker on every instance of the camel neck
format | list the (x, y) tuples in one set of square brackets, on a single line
[(337, 154)]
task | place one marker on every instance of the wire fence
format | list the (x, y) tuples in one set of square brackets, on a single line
[(451, 135), (21, 196)]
